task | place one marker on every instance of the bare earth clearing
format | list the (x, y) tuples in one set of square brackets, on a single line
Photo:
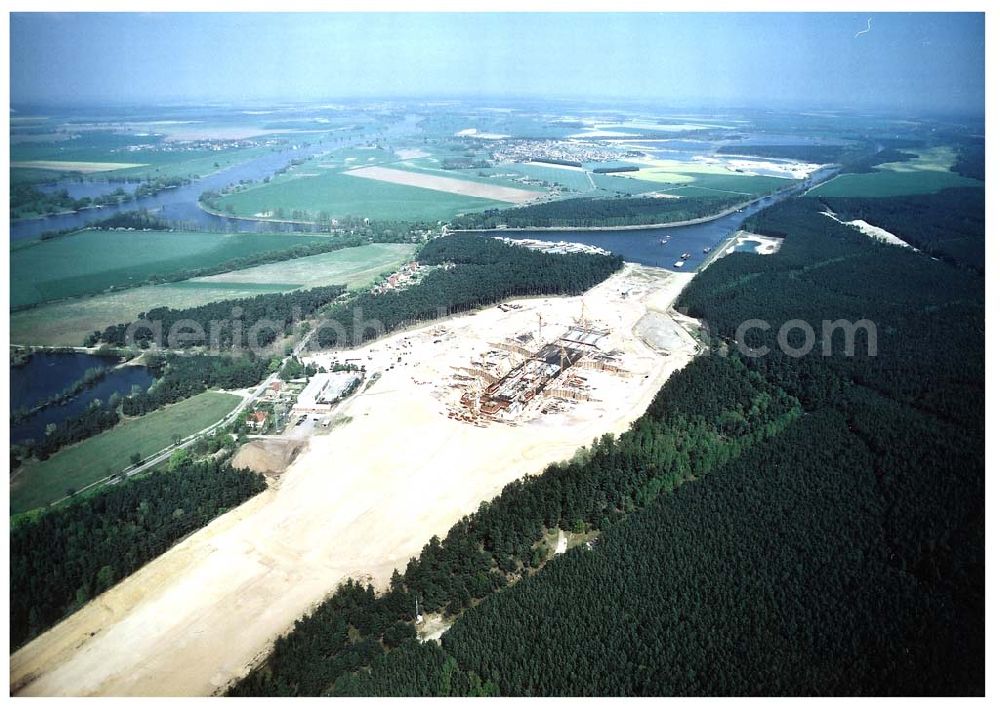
[(358, 502), (873, 231), (446, 184)]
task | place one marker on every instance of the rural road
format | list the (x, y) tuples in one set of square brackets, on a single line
[(166, 452)]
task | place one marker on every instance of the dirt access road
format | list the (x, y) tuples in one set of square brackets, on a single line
[(358, 502)]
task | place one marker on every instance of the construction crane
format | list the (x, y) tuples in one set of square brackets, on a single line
[(477, 391)]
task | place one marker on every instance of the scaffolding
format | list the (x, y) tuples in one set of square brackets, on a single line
[(511, 376)]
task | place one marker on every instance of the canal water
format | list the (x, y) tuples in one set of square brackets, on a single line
[(664, 247)]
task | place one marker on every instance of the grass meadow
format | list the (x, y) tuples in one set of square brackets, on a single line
[(68, 323), (76, 466), (891, 183), (341, 195), (94, 261)]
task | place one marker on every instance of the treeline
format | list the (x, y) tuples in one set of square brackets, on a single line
[(557, 161), (228, 325), (28, 201), (68, 555), (616, 169), (131, 220), (689, 429), (807, 152), (865, 161), (152, 186), (950, 224), (971, 161), (597, 212), (134, 220), (385, 230), (474, 271), (183, 376), (294, 368), (97, 418)]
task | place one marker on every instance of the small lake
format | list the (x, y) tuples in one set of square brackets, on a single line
[(48, 374), (748, 246)]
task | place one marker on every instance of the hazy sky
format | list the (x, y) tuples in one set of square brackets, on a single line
[(907, 61)]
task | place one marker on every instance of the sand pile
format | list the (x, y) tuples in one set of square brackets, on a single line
[(268, 457)]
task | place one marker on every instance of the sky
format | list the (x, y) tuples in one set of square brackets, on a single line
[(907, 62)]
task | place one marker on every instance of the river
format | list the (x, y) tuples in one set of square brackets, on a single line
[(176, 204)]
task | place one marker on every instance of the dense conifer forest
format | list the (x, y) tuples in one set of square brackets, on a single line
[(473, 271), (239, 323), (707, 414), (598, 212), (772, 525), (183, 376), (66, 556), (949, 225)]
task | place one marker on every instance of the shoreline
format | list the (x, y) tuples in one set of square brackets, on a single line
[(650, 226), (803, 185), (279, 221)]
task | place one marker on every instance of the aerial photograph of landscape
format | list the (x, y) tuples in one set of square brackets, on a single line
[(574, 353)]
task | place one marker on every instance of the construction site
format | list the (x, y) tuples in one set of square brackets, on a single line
[(540, 377), (530, 374)]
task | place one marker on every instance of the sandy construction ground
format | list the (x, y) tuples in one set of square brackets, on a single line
[(358, 502), (873, 231), (446, 184)]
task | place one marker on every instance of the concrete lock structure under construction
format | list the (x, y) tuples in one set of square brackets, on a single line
[(528, 374)]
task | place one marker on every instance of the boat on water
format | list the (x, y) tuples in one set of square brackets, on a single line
[(679, 263), (665, 240), (707, 250), (686, 256)]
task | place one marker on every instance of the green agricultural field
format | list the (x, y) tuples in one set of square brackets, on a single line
[(714, 180), (32, 175), (111, 148), (929, 172), (343, 159), (623, 183), (498, 175), (93, 261), (69, 322), (571, 179), (891, 183), (81, 464), (342, 195), (748, 185), (692, 190)]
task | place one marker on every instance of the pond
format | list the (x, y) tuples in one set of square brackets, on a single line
[(48, 374)]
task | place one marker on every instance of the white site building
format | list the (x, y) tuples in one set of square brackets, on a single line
[(325, 390)]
